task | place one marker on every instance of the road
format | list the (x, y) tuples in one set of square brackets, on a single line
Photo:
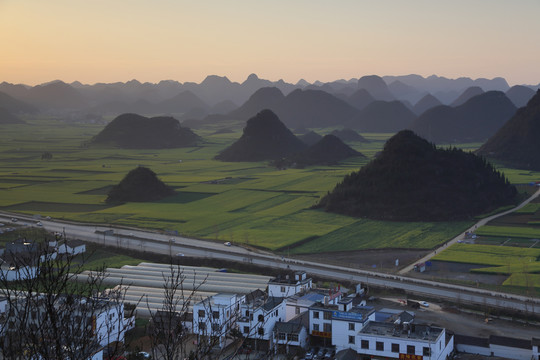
[(480, 223), (167, 244)]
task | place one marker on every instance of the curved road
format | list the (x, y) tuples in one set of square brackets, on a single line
[(172, 245), (482, 222)]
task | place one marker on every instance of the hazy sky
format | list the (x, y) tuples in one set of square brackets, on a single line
[(151, 40)]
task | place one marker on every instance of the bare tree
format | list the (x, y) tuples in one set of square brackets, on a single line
[(168, 332), (60, 315)]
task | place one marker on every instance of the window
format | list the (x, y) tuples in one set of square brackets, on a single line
[(281, 336), (261, 331), (315, 314), (275, 314), (327, 327), (351, 326), (351, 339), (260, 318), (411, 349), (202, 326), (364, 344), (283, 289), (316, 327), (426, 351), (297, 310), (246, 329), (201, 313), (247, 312), (251, 317), (215, 327), (215, 314), (395, 348), (327, 316), (293, 337), (379, 345)]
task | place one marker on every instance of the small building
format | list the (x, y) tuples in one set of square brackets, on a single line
[(215, 317), (289, 284), (291, 336), (72, 247), (258, 315), (500, 346), (397, 341), (300, 303)]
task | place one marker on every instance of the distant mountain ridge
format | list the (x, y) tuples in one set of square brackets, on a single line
[(474, 121), (215, 89), (517, 142)]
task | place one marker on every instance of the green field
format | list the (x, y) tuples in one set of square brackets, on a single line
[(521, 264), (250, 203)]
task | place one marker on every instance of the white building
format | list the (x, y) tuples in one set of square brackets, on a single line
[(289, 285), (291, 335), (499, 346), (259, 314), (85, 325), (215, 316), (396, 341), (301, 302), (69, 247)]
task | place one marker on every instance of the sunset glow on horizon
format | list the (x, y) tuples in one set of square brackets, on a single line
[(109, 41)]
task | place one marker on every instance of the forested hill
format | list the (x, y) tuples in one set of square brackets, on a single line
[(140, 184), (412, 180), (265, 137), (132, 131)]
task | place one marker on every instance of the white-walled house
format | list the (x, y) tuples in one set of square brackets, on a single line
[(289, 285), (215, 316), (89, 324), (69, 247), (292, 334), (258, 315), (499, 346), (412, 342), (300, 303)]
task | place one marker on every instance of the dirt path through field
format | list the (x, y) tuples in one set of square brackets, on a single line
[(471, 229)]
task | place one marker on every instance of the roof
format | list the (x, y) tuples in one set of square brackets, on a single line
[(272, 302), (293, 326), (510, 342), (418, 332), (74, 243), (347, 354), (471, 340)]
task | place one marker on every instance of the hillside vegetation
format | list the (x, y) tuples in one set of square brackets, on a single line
[(132, 131), (412, 180)]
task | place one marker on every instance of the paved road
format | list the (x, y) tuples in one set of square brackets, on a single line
[(166, 244), (480, 223)]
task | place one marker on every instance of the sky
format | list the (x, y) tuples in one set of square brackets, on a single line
[(151, 40)]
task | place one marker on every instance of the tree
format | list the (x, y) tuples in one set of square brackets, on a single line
[(60, 315), (167, 331)]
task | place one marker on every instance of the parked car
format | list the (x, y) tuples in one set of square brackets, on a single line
[(144, 355), (330, 354), (39, 223), (424, 303), (311, 353), (321, 353), (179, 254), (228, 243)]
